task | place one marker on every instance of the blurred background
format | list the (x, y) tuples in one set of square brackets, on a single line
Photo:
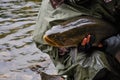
[(18, 52)]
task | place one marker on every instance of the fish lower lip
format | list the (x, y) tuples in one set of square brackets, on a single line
[(49, 41)]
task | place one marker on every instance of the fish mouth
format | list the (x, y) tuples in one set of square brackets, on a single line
[(49, 41)]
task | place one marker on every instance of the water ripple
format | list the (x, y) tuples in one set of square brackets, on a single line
[(17, 49)]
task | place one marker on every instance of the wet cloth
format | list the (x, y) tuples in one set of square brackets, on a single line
[(49, 17), (74, 64)]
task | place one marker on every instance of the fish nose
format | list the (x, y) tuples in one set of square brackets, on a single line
[(49, 41)]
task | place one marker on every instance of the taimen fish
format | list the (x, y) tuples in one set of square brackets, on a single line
[(71, 32)]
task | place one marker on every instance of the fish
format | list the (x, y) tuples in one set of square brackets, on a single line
[(71, 32)]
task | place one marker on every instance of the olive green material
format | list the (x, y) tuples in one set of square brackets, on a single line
[(71, 32), (74, 65), (48, 17)]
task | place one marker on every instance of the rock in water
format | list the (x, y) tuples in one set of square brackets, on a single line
[(45, 76)]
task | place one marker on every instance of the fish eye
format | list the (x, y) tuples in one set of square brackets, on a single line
[(52, 36)]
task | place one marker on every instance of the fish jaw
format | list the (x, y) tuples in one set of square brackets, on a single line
[(51, 41)]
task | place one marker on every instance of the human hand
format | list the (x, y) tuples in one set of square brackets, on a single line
[(112, 45), (90, 40), (62, 51), (86, 40), (86, 43), (56, 3)]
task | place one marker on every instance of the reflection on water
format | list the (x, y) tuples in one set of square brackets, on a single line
[(17, 49)]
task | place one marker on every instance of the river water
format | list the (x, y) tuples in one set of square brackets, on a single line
[(18, 52)]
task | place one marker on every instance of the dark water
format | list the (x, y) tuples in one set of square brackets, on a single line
[(17, 49)]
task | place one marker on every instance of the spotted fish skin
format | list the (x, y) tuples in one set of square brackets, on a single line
[(70, 33)]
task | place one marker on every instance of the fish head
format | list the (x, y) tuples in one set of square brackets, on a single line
[(54, 36)]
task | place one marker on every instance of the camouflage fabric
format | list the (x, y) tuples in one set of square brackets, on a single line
[(75, 65)]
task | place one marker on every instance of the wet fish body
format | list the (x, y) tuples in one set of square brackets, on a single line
[(71, 33)]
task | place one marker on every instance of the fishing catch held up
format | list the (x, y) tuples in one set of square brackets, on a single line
[(71, 32)]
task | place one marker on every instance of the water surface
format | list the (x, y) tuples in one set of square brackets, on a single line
[(17, 49)]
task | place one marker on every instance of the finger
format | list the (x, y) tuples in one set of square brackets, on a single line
[(63, 49), (88, 38), (84, 42), (100, 45)]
